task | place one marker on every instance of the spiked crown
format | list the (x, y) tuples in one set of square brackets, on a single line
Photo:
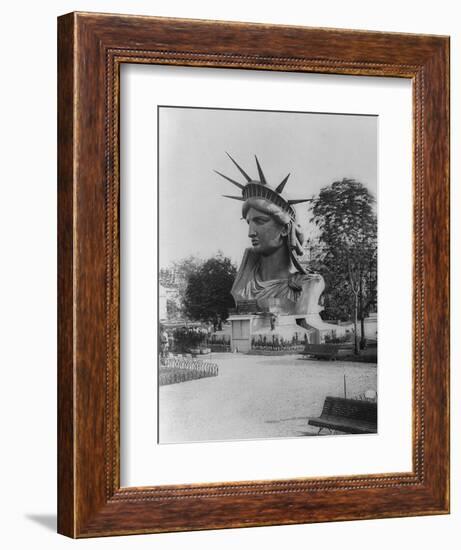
[(261, 190)]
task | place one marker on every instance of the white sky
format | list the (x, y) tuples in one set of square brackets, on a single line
[(317, 149)]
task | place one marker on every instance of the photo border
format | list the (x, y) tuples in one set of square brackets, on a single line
[(239, 109), (91, 48)]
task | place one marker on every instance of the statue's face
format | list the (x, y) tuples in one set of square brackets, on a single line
[(266, 234)]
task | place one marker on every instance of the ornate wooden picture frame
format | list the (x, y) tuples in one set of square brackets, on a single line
[(92, 47)]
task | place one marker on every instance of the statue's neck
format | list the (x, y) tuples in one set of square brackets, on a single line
[(275, 265)]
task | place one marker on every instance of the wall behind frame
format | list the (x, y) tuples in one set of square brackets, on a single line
[(28, 274)]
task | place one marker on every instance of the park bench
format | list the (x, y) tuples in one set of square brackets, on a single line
[(322, 351), (352, 416)]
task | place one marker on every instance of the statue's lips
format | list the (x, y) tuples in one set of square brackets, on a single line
[(254, 242)]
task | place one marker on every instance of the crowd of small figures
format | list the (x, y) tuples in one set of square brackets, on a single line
[(275, 343), (182, 369)]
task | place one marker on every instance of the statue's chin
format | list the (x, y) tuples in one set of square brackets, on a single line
[(264, 251)]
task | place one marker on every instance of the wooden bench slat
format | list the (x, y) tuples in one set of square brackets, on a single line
[(344, 425), (347, 415)]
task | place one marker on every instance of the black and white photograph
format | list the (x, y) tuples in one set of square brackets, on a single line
[(210, 212), (267, 279)]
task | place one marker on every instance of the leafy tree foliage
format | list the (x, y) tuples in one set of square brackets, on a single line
[(173, 310), (347, 253), (207, 296), (183, 270)]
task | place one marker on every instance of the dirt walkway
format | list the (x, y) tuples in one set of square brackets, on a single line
[(256, 397)]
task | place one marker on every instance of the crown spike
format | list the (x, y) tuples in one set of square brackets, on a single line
[(282, 184), (239, 185), (261, 174), (297, 201), (233, 197), (244, 174)]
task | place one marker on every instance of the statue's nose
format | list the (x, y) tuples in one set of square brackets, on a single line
[(251, 230)]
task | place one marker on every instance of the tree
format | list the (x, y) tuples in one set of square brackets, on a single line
[(183, 270), (347, 254), (172, 309), (207, 296)]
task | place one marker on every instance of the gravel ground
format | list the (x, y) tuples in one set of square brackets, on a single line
[(256, 397)]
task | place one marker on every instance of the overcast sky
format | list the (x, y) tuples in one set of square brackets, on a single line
[(317, 149)]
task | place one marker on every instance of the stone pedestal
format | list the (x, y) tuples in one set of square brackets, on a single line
[(264, 327), (268, 328)]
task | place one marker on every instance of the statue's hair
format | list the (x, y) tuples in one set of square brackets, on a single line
[(266, 207)]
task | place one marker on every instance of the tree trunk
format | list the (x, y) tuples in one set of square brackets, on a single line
[(356, 339), (362, 322), (355, 291)]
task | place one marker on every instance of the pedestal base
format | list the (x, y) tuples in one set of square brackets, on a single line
[(278, 332)]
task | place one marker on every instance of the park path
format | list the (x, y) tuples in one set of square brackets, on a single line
[(256, 397)]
